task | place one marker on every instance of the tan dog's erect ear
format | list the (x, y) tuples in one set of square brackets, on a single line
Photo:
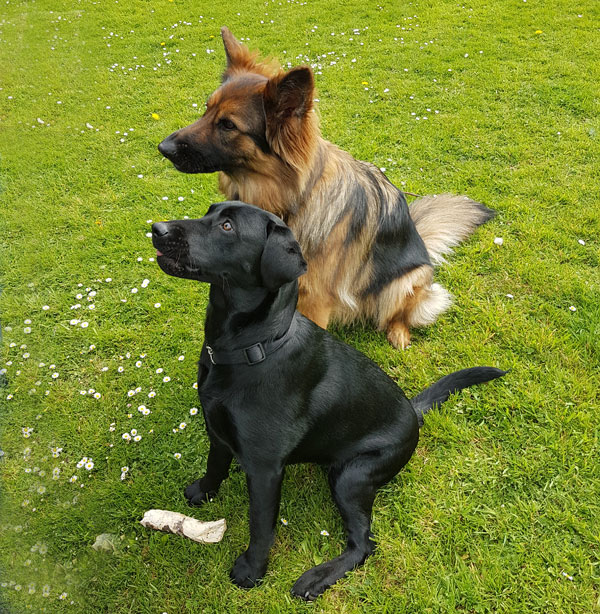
[(292, 129), (290, 95), (238, 55)]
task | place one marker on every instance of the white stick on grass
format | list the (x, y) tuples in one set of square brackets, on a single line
[(179, 524)]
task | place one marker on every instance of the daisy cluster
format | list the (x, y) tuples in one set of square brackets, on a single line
[(353, 38), (57, 20), (333, 57), (85, 300), (128, 390), (167, 49)]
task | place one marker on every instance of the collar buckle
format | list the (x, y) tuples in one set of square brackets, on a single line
[(210, 354), (255, 354)]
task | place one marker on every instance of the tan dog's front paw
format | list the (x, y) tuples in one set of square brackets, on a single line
[(398, 335)]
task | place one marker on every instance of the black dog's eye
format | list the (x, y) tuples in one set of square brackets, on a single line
[(226, 124), (226, 226)]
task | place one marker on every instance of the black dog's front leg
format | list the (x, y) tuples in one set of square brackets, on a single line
[(217, 469), (264, 490)]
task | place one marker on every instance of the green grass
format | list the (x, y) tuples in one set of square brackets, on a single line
[(502, 498)]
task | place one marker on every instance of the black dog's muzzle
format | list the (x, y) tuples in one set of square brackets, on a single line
[(171, 248), (160, 229)]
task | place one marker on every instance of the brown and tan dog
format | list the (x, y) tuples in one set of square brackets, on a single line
[(369, 256)]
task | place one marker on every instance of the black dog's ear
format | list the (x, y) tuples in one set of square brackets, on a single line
[(281, 260)]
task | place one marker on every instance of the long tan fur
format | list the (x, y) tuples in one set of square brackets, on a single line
[(343, 211), (444, 220)]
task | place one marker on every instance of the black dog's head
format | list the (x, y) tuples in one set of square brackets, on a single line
[(234, 244)]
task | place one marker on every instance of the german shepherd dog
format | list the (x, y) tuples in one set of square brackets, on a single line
[(277, 390), (370, 256)]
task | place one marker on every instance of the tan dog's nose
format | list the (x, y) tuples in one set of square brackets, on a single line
[(168, 147)]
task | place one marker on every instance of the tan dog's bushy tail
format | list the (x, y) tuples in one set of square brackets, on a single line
[(445, 220)]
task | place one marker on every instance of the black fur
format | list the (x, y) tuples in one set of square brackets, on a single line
[(357, 206), (398, 247), (314, 399), (439, 392)]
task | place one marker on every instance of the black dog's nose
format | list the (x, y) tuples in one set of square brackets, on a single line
[(160, 229), (168, 147)]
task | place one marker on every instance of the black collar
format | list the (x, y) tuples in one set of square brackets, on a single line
[(252, 354)]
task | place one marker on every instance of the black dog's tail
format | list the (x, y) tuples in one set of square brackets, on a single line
[(439, 392)]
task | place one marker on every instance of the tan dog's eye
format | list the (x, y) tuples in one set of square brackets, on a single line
[(226, 124), (227, 226)]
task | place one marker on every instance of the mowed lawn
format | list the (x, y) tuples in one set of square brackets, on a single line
[(499, 509)]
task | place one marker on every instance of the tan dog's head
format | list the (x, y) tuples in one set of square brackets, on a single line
[(259, 113)]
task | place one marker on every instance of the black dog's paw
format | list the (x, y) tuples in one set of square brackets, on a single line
[(244, 574), (196, 494), (315, 581)]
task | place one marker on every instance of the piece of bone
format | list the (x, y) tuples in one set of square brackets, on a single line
[(179, 524)]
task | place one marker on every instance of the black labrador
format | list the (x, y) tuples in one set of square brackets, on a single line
[(277, 389)]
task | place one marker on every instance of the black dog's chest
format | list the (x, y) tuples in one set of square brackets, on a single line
[(250, 415), (230, 413), (216, 405), (221, 423)]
